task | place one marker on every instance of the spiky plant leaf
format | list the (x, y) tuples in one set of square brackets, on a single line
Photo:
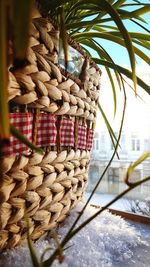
[(132, 167), (22, 11), (4, 116), (33, 255), (63, 35), (124, 71)]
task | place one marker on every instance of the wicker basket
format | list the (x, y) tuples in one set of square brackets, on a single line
[(56, 111)]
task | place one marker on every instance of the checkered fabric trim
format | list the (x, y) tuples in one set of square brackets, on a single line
[(82, 131), (47, 133), (46, 130), (23, 122), (90, 136), (67, 132)]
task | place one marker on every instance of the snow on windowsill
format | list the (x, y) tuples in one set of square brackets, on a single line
[(108, 241)]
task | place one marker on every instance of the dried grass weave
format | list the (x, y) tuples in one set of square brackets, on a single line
[(56, 111)]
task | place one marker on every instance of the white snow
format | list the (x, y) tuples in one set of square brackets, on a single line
[(108, 241)]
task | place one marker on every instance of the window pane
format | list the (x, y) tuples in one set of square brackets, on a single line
[(138, 145), (135, 141), (97, 144)]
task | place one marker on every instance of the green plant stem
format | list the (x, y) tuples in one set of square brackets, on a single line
[(48, 262), (69, 233), (4, 113), (105, 207), (108, 165)]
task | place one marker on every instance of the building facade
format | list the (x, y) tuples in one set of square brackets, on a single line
[(132, 146)]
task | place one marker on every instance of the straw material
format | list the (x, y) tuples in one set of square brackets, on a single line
[(57, 111)]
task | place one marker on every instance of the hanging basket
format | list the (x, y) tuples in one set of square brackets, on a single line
[(56, 110)]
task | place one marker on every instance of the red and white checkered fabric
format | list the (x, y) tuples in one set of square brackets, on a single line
[(90, 136), (46, 130), (24, 123), (67, 132), (82, 132)]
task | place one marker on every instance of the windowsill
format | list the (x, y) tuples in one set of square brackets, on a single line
[(131, 216)]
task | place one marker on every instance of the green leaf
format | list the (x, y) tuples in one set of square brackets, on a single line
[(137, 35), (63, 35), (140, 25), (140, 160), (4, 115), (124, 71), (58, 245), (81, 24), (127, 40), (103, 55), (118, 3), (107, 123), (34, 258), (100, 14), (132, 167), (44, 253), (24, 140), (118, 41), (124, 15), (144, 44), (22, 11), (140, 11), (113, 89)]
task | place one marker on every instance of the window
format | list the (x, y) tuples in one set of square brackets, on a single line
[(146, 144), (102, 138), (96, 142), (111, 143), (103, 143), (135, 144), (113, 175), (123, 144), (138, 145), (134, 141)]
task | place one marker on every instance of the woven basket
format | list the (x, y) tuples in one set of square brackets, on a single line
[(56, 111)]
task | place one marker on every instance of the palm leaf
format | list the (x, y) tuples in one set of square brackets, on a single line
[(102, 53), (137, 35), (113, 89), (108, 58), (88, 35), (132, 167), (124, 15), (124, 71), (144, 44), (140, 25), (140, 11), (110, 130), (63, 35), (118, 3)]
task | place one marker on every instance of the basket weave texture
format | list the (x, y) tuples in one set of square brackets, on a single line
[(56, 111)]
